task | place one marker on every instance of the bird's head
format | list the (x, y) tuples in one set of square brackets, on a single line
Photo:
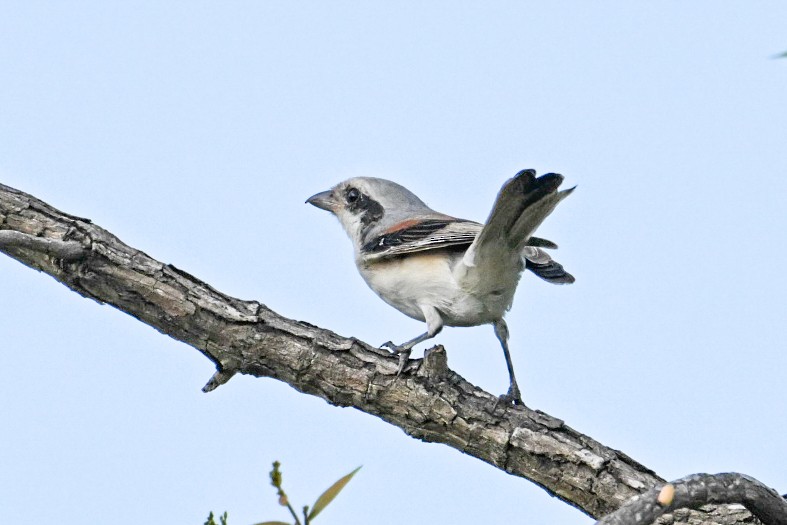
[(366, 206)]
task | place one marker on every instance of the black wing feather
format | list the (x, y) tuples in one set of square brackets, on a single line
[(552, 272), (414, 233)]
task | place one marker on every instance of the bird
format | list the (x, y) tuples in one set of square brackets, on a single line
[(443, 270)]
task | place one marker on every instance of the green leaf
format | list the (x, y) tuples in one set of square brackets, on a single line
[(327, 496), (272, 523), (210, 519)]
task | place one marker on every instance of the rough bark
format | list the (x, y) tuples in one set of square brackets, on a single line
[(429, 401), (697, 490)]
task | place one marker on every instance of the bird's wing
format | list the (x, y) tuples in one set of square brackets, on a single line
[(420, 235), (540, 263), (428, 234)]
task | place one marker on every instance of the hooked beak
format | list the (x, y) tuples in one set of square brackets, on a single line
[(323, 200)]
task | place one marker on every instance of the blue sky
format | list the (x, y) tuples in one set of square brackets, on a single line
[(194, 131)]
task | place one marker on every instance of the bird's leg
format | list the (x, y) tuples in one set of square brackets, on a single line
[(434, 323), (513, 395)]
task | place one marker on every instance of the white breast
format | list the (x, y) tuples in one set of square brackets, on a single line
[(428, 278)]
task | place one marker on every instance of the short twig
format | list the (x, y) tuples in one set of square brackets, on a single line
[(218, 379)]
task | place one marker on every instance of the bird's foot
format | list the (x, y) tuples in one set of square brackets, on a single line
[(512, 397), (392, 347), (402, 351), (404, 360)]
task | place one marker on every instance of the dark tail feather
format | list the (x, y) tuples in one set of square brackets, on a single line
[(552, 272), (538, 242)]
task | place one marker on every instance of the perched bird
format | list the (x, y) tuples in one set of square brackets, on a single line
[(443, 270)]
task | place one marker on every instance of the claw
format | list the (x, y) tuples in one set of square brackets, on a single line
[(402, 351), (404, 359), (512, 397), (508, 399), (392, 347)]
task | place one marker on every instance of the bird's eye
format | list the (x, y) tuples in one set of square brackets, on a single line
[(353, 195)]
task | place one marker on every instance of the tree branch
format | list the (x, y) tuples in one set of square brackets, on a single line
[(429, 401), (692, 492)]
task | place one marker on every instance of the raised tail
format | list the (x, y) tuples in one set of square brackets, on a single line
[(496, 255), (538, 204)]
